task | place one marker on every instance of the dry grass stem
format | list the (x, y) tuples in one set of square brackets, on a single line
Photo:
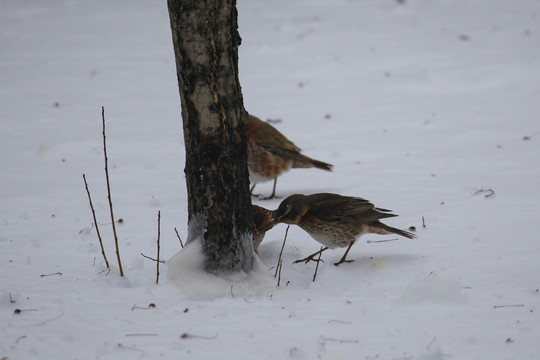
[(95, 223), (179, 238), (109, 195)]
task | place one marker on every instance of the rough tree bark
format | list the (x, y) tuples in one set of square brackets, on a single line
[(205, 38)]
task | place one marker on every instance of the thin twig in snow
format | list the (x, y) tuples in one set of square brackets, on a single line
[(490, 192), (317, 267), (129, 347), (109, 194), (431, 343), (178, 235), (191, 336), (49, 320), (342, 341), (150, 306), (508, 305), (45, 275), (340, 321), (151, 258), (281, 252), (95, 223), (280, 265), (158, 236)]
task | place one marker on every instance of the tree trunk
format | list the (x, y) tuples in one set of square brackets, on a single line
[(205, 37)]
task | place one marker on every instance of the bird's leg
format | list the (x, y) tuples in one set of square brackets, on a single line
[(345, 255), (273, 195), (312, 257), (251, 191)]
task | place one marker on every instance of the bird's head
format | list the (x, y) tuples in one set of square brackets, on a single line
[(290, 211)]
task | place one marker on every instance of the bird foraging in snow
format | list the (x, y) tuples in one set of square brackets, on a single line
[(333, 220), (270, 153)]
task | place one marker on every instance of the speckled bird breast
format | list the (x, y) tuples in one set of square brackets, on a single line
[(263, 165)]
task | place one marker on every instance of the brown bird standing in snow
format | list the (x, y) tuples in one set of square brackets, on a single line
[(333, 220), (270, 153)]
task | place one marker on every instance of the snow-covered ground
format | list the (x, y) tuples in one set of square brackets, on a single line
[(420, 105)]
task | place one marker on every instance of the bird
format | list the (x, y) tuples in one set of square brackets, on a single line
[(261, 217), (270, 154), (335, 221)]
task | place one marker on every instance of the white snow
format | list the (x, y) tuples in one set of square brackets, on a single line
[(419, 105)]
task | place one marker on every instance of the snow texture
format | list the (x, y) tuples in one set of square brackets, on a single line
[(428, 108)]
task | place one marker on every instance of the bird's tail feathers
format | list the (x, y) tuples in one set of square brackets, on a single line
[(306, 162), (388, 229)]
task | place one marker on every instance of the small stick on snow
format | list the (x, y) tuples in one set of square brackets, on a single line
[(490, 192), (340, 322), (158, 236), (280, 264), (423, 222), (281, 252), (317, 267), (49, 320), (150, 306), (508, 305), (45, 275), (342, 341), (129, 347), (178, 235), (95, 223), (191, 336), (431, 343)]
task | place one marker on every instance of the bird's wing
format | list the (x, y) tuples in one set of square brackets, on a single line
[(273, 141), (337, 208)]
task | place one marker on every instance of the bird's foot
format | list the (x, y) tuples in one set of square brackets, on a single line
[(273, 196), (343, 261)]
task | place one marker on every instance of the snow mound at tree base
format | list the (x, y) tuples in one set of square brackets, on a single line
[(185, 271)]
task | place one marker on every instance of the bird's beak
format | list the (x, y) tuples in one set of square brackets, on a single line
[(273, 222)]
